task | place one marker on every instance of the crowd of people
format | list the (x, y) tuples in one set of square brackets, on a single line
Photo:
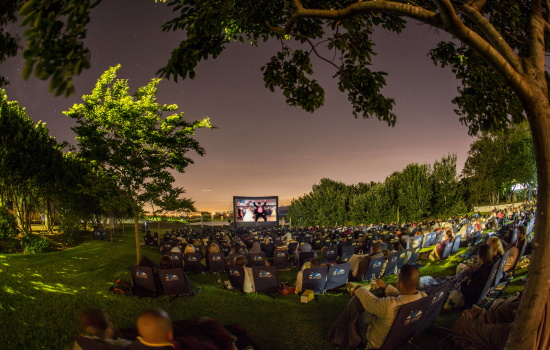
[(373, 306)]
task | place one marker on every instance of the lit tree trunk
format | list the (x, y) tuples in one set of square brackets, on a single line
[(136, 234), (535, 294)]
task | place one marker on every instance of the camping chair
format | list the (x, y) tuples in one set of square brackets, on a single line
[(337, 276), (347, 252), (414, 256), (499, 276), (177, 260), (447, 250), (235, 274), (315, 278), (265, 279), (292, 247), (175, 282), (456, 244), (437, 298), (330, 254), (92, 344), (374, 269), (406, 324), (302, 257), (488, 284), (231, 258), (216, 262), (256, 259), (317, 244), (401, 259), (193, 263), (391, 266), (268, 249), (520, 254), (438, 237), (427, 240), (144, 281), (280, 258)]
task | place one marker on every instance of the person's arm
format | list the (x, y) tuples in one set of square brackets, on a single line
[(371, 303)]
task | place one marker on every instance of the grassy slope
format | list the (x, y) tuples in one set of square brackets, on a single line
[(41, 295)]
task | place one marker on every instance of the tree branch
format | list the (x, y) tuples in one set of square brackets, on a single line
[(395, 8), (493, 36)]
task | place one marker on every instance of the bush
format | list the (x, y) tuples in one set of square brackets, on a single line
[(8, 226), (34, 244)]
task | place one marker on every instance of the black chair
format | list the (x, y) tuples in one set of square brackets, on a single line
[(406, 324), (193, 263), (374, 269), (280, 258), (292, 247), (391, 266), (456, 244), (256, 259), (231, 258), (265, 279), (401, 258), (225, 250), (315, 278), (216, 262), (303, 257), (337, 276), (175, 282), (488, 283), (347, 252), (414, 256), (143, 278), (177, 260), (437, 298), (235, 274), (330, 254), (268, 249), (317, 244), (500, 269), (93, 344)]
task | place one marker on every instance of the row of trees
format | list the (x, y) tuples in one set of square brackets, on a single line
[(496, 162), (126, 152)]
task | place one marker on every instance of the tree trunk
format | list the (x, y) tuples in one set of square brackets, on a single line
[(524, 331), (136, 234)]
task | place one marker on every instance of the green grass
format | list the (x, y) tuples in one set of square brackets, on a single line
[(41, 296)]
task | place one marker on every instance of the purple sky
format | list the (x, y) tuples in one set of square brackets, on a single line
[(262, 146)]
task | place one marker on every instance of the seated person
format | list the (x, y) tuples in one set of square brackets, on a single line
[(248, 286), (165, 263), (304, 247), (96, 324), (300, 275), (155, 330), (515, 249), (437, 253), (371, 316), (237, 248), (496, 247), (213, 248), (472, 286)]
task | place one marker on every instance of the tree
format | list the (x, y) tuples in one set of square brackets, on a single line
[(131, 139)]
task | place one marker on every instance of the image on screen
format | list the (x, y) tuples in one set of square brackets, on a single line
[(255, 209)]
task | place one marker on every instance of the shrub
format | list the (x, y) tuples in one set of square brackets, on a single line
[(34, 244), (8, 226)]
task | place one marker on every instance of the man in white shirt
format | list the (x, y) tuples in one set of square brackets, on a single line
[(367, 318)]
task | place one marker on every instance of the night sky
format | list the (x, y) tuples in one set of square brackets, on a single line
[(262, 146)]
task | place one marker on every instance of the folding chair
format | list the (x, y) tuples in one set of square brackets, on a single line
[(447, 250), (303, 257), (256, 259), (235, 274), (231, 258), (93, 344), (280, 258), (406, 324), (374, 269), (265, 279), (315, 278), (347, 252), (438, 237), (427, 240), (337, 276), (488, 284), (330, 254), (193, 263), (292, 247), (317, 244), (414, 256), (456, 244), (520, 254), (401, 259), (499, 275), (268, 249), (216, 262), (437, 298), (175, 282), (144, 280), (391, 266), (177, 260)]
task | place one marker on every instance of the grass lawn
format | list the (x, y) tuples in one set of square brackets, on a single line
[(41, 296)]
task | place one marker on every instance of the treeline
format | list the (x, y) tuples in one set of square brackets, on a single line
[(496, 162)]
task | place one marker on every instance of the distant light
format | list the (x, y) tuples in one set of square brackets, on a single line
[(206, 190)]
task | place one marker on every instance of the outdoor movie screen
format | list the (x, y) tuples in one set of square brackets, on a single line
[(255, 209)]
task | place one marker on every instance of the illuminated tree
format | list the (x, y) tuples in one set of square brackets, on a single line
[(130, 139)]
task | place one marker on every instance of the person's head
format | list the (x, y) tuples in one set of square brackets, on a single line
[(484, 254), (165, 263), (376, 248), (315, 262), (522, 232), (146, 261), (213, 248), (237, 247), (408, 278), (96, 323), (240, 260), (496, 246), (189, 249), (449, 235), (155, 327)]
